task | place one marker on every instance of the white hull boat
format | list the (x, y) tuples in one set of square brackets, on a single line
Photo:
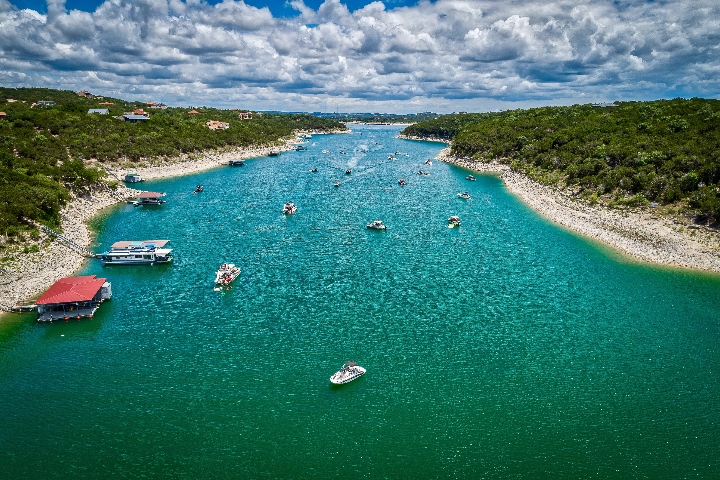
[(225, 275), (350, 371)]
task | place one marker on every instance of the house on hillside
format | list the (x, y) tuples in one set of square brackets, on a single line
[(99, 111), (245, 115), (193, 112), (216, 125), (3, 116), (44, 103), (73, 297), (131, 118), (604, 105)]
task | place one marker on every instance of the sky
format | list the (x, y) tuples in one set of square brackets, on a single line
[(389, 56)]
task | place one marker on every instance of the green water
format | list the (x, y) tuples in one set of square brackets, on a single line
[(506, 348)]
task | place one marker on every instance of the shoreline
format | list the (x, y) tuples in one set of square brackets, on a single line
[(27, 275), (638, 233)]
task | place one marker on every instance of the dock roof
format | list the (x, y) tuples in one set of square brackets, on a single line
[(123, 244), (151, 195), (72, 289)]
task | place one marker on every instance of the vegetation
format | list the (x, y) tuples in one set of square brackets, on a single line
[(665, 152), (47, 151)]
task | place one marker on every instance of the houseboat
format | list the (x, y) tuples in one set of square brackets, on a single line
[(137, 252), (73, 297), (149, 198), (133, 178)]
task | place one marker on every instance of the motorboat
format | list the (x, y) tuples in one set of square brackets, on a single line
[(225, 275), (348, 171), (470, 177), (140, 252), (289, 208), (391, 157), (428, 162), (236, 163), (274, 153), (376, 225), (402, 182), (420, 172), (198, 189), (453, 221), (326, 152), (336, 183), (464, 195), (300, 148), (348, 372), (313, 170)]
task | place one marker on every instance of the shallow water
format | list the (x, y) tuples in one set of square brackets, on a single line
[(507, 347)]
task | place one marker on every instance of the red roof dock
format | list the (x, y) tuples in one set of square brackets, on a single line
[(73, 297)]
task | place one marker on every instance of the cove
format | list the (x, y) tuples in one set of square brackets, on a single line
[(507, 347)]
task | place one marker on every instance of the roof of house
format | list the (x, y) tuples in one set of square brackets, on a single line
[(72, 289), (136, 117), (193, 112), (137, 243), (151, 195), (102, 111)]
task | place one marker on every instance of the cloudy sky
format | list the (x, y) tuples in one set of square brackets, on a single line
[(395, 56)]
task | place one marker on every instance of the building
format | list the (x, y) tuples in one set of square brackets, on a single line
[(44, 103), (73, 297), (604, 105), (99, 111), (133, 178), (132, 118), (215, 125), (245, 116), (193, 112), (3, 116)]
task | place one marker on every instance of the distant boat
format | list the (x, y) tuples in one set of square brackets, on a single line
[(348, 372), (470, 177), (289, 208), (376, 225), (326, 152), (274, 154), (149, 198), (198, 189), (453, 221), (141, 252), (300, 148), (402, 182), (348, 171), (313, 170), (464, 195), (428, 162), (336, 183), (236, 163), (225, 276), (420, 172)]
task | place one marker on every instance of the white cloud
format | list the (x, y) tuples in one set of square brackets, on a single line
[(441, 54)]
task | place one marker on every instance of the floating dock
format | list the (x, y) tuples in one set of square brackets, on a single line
[(73, 297)]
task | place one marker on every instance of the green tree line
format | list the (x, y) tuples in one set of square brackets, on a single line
[(46, 151), (664, 151)]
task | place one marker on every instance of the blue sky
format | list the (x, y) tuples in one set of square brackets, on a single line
[(359, 56)]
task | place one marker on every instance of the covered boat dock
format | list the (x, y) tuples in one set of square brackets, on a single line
[(73, 297)]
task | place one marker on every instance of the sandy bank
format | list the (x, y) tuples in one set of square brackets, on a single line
[(639, 232)]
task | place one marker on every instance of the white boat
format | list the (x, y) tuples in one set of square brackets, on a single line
[(464, 195), (141, 252), (402, 182), (470, 177), (226, 274), (326, 152), (453, 221), (289, 208), (336, 183), (350, 371), (376, 225)]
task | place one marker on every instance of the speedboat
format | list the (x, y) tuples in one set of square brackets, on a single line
[(348, 372), (289, 208), (198, 189), (236, 163), (225, 275), (391, 157), (464, 195), (324, 151), (470, 177), (313, 170), (336, 183), (376, 225), (453, 221), (402, 182), (348, 171)]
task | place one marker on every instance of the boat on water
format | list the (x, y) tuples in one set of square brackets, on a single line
[(225, 275), (464, 195), (453, 221), (289, 208), (149, 198), (326, 152), (402, 182), (376, 225), (336, 183), (274, 154), (391, 157), (348, 171), (348, 372), (137, 252), (470, 177), (420, 172), (236, 163), (313, 170), (428, 162), (300, 148), (198, 189)]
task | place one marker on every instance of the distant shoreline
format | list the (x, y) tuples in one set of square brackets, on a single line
[(638, 233)]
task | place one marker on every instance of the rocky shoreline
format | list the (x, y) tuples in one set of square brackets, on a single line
[(639, 233)]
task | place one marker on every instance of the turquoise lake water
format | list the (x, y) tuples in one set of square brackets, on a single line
[(506, 348)]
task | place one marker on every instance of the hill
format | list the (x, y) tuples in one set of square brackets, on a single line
[(50, 145), (664, 152)]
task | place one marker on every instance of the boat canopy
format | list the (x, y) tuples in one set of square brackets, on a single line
[(151, 195)]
